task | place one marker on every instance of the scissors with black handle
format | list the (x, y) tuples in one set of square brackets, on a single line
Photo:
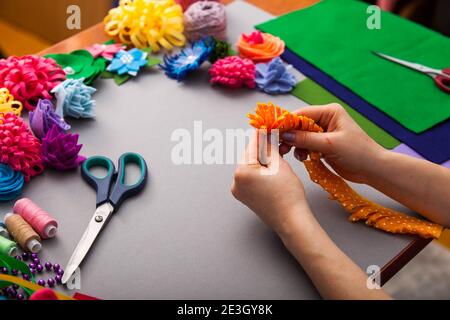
[(109, 199)]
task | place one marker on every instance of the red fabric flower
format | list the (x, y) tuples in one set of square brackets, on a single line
[(19, 147), (233, 72), (30, 78)]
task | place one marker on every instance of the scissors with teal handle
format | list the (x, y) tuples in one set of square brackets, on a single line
[(109, 199), (441, 77)]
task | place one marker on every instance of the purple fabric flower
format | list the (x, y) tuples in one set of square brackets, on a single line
[(60, 150), (44, 117)]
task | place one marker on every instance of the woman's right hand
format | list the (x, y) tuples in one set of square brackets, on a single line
[(344, 145)]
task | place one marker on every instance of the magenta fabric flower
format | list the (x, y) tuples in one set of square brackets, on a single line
[(61, 150), (107, 51)]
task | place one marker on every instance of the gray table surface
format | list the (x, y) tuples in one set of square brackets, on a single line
[(185, 237)]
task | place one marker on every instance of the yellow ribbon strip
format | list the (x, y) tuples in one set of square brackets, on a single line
[(144, 23), (8, 104), (30, 285)]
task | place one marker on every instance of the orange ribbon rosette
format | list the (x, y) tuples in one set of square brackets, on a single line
[(269, 117), (260, 47)]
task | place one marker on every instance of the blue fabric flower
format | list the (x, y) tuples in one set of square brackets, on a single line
[(128, 62), (74, 99), (11, 183), (274, 78), (178, 66)]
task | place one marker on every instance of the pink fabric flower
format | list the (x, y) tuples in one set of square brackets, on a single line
[(255, 37), (233, 72), (19, 147), (107, 51), (30, 78)]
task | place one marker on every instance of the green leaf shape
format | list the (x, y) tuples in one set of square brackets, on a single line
[(152, 61), (83, 64), (121, 79)]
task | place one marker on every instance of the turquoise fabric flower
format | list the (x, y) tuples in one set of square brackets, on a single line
[(74, 99), (128, 62)]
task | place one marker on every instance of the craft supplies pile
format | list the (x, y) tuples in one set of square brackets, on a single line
[(59, 87)]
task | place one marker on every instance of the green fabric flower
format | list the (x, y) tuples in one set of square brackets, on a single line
[(221, 49), (80, 64)]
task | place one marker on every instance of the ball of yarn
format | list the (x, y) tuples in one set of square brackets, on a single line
[(60, 150), (205, 18), (260, 47), (19, 148), (233, 72), (44, 117), (11, 183), (74, 99), (30, 78), (144, 24), (8, 103), (274, 77), (45, 294), (185, 4)]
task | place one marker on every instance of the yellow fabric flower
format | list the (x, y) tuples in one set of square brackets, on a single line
[(147, 23), (8, 103)]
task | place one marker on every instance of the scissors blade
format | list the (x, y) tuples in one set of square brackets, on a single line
[(96, 224), (411, 65)]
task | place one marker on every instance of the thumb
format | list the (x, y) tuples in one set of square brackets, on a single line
[(308, 140)]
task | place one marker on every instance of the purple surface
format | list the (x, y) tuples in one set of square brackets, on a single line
[(404, 149), (433, 145)]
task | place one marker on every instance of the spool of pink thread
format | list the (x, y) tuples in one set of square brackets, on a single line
[(38, 219)]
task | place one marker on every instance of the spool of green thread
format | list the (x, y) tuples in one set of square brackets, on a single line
[(8, 247)]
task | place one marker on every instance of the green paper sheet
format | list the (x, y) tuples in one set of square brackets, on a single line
[(333, 35), (312, 93)]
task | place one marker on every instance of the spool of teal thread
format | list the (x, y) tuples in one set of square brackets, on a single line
[(8, 247)]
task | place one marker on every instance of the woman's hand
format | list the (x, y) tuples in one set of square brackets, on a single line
[(344, 145), (273, 191)]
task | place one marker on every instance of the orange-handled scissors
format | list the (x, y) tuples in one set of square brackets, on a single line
[(441, 77)]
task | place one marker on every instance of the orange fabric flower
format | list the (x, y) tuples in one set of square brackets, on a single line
[(269, 116), (260, 47)]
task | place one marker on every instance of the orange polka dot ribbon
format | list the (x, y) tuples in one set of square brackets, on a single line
[(8, 103), (269, 117), (260, 47)]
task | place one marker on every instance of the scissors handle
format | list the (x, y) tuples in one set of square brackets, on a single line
[(121, 190), (442, 82), (101, 185)]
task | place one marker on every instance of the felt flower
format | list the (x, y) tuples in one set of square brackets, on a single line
[(11, 183), (74, 99), (19, 148), (274, 78), (220, 50), (144, 23), (107, 51), (178, 66), (44, 117), (8, 103), (128, 62), (260, 47), (80, 64), (60, 150), (233, 72), (30, 78)]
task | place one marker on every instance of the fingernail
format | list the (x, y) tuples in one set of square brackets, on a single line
[(288, 136)]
